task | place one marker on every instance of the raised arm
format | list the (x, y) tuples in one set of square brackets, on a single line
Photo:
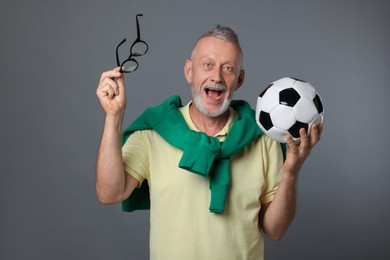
[(113, 184)]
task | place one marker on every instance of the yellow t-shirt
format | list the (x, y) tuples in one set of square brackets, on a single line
[(181, 225)]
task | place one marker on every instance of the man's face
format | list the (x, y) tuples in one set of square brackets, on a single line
[(214, 73)]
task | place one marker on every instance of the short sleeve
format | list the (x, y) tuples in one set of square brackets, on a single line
[(273, 159), (136, 156)]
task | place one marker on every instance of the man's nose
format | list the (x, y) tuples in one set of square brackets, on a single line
[(216, 75)]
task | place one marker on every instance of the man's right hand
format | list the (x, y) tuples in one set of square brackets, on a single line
[(111, 92), (113, 184)]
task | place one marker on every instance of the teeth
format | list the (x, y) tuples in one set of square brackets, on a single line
[(214, 89)]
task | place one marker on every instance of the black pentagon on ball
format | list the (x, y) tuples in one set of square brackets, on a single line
[(289, 97), (317, 102), (265, 120), (265, 90), (294, 130)]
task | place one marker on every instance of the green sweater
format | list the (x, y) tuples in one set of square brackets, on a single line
[(202, 154)]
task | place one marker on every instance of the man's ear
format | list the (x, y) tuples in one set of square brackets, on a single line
[(188, 71), (240, 80)]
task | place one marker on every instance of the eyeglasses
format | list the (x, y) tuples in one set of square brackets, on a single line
[(137, 49)]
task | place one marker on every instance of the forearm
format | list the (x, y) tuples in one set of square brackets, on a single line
[(110, 174), (281, 211), (276, 216)]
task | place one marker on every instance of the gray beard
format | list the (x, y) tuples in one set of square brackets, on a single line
[(199, 105)]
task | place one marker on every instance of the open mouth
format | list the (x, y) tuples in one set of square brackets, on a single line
[(214, 92)]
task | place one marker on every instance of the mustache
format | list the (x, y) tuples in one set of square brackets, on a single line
[(216, 87)]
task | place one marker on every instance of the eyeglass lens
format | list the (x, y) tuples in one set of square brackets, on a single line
[(139, 48), (129, 65)]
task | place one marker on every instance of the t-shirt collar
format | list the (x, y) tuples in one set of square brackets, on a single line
[(185, 110)]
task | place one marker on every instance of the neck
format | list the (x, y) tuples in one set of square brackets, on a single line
[(209, 125)]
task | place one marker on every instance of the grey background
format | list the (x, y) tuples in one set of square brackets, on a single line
[(52, 54)]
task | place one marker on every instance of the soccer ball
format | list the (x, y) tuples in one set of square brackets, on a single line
[(286, 106)]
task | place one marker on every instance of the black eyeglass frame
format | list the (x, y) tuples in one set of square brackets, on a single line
[(130, 58)]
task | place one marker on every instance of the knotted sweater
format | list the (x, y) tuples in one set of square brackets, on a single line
[(202, 154)]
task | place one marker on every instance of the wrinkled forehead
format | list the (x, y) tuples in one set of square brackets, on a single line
[(213, 46)]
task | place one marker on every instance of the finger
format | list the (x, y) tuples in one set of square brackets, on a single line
[(290, 142), (119, 87), (106, 90), (110, 92), (304, 138), (121, 84), (316, 134), (320, 128), (112, 74), (107, 83)]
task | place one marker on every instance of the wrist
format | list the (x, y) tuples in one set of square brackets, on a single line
[(290, 175), (114, 121)]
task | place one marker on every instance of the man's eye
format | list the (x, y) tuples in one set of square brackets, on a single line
[(207, 65), (228, 68)]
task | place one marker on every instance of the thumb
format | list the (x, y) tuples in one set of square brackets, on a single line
[(121, 84)]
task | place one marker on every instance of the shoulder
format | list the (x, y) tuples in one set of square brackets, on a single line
[(267, 148), (139, 135)]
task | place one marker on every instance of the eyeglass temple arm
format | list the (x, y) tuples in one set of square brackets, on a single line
[(117, 54), (138, 31)]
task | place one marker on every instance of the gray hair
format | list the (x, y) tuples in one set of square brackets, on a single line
[(223, 33)]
